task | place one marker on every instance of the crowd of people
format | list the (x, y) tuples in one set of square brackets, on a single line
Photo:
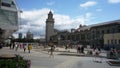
[(23, 46), (80, 49)]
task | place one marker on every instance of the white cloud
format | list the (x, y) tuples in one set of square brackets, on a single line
[(88, 15), (114, 1), (50, 3), (88, 4), (98, 10), (34, 21), (65, 22)]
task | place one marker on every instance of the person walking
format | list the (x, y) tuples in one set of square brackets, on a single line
[(10, 45), (82, 49), (13, 45), (66, 47), (16, 46), (52, 50), (1, 45), (78, 49), (97, 52), (24, 47), (29, 47)]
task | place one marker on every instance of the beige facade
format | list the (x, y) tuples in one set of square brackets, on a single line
[(112, 38)]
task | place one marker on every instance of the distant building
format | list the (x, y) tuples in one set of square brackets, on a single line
[(8, 18), (50, 31), (29, 35), (20, 36)]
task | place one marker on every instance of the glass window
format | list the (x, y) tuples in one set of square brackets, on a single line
[(111, 41), (12, 3), (118, 30), (108, 31), (8, 17), (97, 32), (115, 41), (6, 4), (119, 41), (108, 42), (113, 30), (103, 31)]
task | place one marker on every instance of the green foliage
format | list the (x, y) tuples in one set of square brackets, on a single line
[(17, 62)]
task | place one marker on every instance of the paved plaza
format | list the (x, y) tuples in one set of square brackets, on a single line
[(41, 59)]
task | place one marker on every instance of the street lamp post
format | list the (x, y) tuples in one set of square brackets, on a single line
[(20, 11), (19, 27)]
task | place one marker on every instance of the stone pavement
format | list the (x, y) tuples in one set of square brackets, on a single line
[(72, 52), (41, 59)]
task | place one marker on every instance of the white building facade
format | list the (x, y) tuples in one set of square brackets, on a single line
[(8, 18)]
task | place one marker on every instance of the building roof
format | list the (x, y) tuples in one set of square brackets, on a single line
[(99, 24), (106, 23)]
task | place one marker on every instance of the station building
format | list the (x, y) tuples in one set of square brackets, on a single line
[(101, 34)]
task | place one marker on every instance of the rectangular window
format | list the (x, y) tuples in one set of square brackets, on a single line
[(118, 30), (108, 42), (97, 32), (119, 41), (111, 41), (12, 3), (103, 31), (108, 31), (115, 41), (113, 30), (6, 4)]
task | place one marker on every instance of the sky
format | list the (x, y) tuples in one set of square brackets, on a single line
[(68, 14)]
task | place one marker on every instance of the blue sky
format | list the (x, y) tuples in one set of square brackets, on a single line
[(67, 13)]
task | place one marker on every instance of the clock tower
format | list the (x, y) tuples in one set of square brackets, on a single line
[(49, 26)]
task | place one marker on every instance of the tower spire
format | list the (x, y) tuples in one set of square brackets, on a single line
[(50, 15)]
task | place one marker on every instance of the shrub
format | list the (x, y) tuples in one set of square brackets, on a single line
[(17, 62)]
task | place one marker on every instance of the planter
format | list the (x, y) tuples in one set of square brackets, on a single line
[(114, 63), (17, 62)]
